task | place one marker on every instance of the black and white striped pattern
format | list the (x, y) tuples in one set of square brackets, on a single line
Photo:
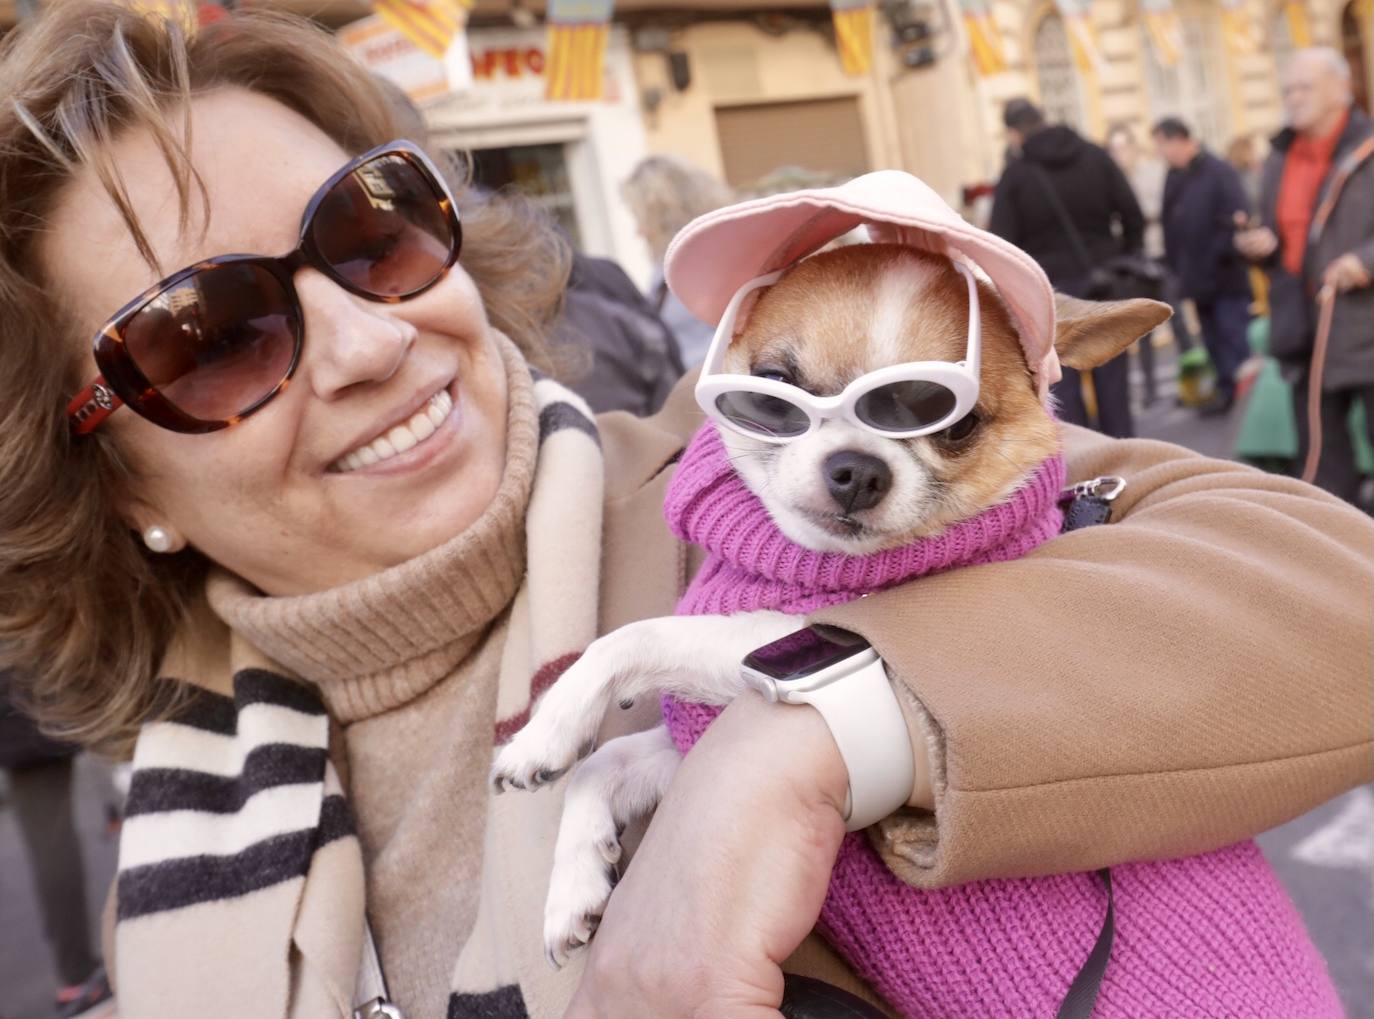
[(233, 796), (505, 1003)]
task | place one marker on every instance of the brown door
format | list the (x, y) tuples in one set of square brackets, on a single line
[(1352, 45), (821, 139)]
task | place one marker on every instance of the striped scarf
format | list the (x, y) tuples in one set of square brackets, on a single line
[(240, 888)]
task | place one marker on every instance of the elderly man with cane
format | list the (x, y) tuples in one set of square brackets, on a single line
[(1316, 240)]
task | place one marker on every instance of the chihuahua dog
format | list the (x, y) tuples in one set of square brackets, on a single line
[(830, 319)]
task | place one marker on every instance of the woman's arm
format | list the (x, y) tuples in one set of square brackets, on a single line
[(730, 876), (1191, 675)]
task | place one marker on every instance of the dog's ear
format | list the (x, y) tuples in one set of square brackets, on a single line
[(1091, 333)]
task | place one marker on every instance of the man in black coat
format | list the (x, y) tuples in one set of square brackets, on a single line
[(1069, 206), (1203, 195), (1306, 241)]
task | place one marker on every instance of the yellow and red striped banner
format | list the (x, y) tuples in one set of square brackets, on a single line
[(1078, 24), (576, 65), (1165, 30), (429, 24), (854, 36), (1299, 28), (1238, 28), (984, 37)]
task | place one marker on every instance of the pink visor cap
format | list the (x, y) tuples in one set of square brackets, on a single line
[(718, 253)]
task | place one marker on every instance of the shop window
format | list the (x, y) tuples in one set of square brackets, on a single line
[(1197, 88), (1353, 45), (539, 172), (1061, 92), (818, 141)]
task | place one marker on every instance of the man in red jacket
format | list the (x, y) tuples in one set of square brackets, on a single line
[(1308, 241)]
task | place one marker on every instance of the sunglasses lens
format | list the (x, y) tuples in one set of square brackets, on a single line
[(905, 406), (218, 342), (762, 414), (385, 228)]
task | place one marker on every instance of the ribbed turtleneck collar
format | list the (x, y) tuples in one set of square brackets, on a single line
[(752, 565), (377, 643)]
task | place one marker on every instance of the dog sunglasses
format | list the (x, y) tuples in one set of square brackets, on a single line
[(899, 402), (209, 345)]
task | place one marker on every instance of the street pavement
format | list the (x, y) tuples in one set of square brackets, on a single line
[(1325, 858)]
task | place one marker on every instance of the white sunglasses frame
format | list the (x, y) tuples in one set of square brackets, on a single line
[(959, 377)]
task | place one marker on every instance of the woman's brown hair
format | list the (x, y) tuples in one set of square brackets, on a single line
[(86, 612)]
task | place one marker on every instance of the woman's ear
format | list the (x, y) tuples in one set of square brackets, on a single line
[(153, 527), (1090, 333)]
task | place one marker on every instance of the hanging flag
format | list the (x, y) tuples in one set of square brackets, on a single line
[(1299, 29), (1078, 23), (854, 35), (984, 38), (1166, 32), (576, 65), (1238, 28), (431, 25)]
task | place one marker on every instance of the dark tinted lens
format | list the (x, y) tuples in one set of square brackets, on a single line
[(905, 406), (217, 342), (762, 414), (385, 228)]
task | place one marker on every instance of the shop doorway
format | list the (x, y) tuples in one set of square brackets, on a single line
[(539, 172)]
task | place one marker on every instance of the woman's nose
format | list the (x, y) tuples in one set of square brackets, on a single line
[(348, 340)]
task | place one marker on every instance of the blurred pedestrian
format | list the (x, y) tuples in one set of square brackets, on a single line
[(664, 194), (1316, 230), (1145, 174), (40, 774), (635, 358), (1202, 197), (1064, 201), (1244, 156)]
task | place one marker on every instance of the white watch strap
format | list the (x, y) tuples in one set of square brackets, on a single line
[(870, 730)]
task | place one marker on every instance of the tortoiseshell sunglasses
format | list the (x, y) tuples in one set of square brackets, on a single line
[(211, 344)]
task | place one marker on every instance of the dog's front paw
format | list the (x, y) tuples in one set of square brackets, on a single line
[(562, 732), (527, 763), (584, 873)]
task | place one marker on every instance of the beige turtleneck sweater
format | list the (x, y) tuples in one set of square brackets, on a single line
[(407, 663)]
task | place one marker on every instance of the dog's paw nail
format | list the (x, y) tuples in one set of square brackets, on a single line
[(551, 957), (620, 829), (627, 703), (546, 775), (609, 850), (498, 784), (515, 782)]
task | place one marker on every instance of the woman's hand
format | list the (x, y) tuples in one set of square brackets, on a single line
[(730, 876)]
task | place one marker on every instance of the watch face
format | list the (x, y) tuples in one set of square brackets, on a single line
[(805, 652)]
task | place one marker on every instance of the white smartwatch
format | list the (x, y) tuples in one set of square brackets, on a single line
[(840, 675)]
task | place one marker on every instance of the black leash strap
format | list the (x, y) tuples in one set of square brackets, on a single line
[(1085, 505), (1082, 996)]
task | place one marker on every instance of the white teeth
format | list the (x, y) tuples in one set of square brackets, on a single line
[(399, 438), (402, 438)]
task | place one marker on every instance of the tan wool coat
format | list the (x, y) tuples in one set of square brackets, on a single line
[(1187, 677)]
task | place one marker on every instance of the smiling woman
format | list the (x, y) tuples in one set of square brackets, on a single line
[(287, 513)]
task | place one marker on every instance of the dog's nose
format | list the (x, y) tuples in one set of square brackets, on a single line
[(856, 480)]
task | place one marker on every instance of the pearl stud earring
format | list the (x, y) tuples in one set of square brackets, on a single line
[(159, 539)]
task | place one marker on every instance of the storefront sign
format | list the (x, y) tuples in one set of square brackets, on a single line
[(386, 51)]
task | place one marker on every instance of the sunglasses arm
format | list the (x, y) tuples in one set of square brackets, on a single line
[(90, 407), (973, 354)]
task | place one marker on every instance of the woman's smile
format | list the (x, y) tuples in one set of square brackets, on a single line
[(414, 438)]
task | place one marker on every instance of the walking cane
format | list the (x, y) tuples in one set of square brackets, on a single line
[(1326, 301)]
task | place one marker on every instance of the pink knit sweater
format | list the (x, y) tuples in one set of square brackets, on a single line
[(1209, 936)]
